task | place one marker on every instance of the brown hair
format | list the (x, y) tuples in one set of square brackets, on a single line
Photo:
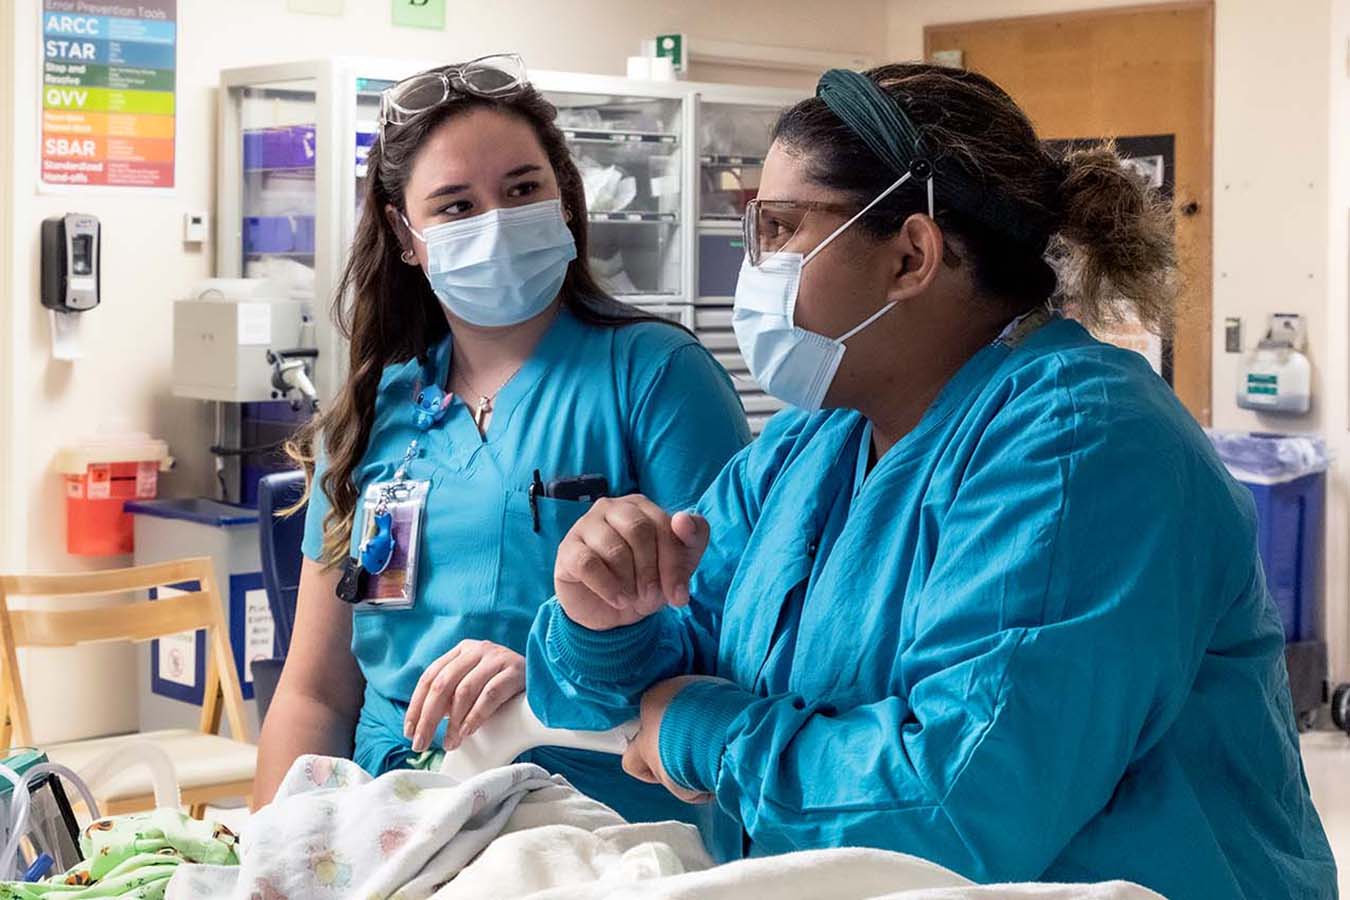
[(394, 316), (1102, 242)]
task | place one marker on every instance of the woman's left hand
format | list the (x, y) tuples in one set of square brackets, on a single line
[(467, 685), (642, 759)]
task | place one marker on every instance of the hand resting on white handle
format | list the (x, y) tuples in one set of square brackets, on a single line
[(513, 729)]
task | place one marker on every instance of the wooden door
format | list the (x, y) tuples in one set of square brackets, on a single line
[(1141, 74)]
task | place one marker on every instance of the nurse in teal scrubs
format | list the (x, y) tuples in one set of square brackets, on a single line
[(484, 360), (987, 596)]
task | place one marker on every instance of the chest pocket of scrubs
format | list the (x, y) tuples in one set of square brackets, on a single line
[(529, 555)]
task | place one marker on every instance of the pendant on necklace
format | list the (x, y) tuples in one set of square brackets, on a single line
[(484, 407)]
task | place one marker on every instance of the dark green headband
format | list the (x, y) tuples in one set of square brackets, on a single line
[(881, 123)]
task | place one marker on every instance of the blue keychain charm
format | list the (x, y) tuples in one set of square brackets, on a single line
[(378, 549)]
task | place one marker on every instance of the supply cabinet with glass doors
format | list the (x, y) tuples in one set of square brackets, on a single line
[(733, 131), (667, 169)]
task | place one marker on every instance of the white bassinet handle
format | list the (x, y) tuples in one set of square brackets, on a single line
[(163, 776), (513, 729)]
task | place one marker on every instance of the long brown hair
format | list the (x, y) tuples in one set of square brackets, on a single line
[(394, 316), (1103, 242)]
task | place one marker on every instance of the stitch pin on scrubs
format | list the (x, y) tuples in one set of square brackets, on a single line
[(431, 403)]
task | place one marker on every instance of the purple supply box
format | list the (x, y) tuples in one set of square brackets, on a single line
[(279, 234), (284, 147)]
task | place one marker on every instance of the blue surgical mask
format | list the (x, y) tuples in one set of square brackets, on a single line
[(795, 365), (501, 267)]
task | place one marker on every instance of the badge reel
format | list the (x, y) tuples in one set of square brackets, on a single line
[(383, 575)]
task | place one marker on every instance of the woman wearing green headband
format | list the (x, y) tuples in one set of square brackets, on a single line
[(987, 596)]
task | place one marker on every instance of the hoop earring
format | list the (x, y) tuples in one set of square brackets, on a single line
[(408, 257)]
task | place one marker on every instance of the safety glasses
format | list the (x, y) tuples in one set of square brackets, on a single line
[(499, 75), (769, 225)]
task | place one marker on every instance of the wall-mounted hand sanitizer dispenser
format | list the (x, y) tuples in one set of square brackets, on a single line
[(1276, 377), (70, 262)]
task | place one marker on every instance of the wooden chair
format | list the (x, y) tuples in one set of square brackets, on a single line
[(209, 766)]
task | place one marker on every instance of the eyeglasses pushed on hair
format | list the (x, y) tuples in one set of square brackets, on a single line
[(499, 75)]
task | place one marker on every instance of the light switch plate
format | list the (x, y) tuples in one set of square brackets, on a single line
[(1232, 335), (194, 227)]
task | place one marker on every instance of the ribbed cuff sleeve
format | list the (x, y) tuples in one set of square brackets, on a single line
[(694, 731), (601, 656)]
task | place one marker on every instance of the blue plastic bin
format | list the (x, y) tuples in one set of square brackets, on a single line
[(283, 147), (268, 234), (253, 142), (279, 234), (1291, 517), (1287, 477)]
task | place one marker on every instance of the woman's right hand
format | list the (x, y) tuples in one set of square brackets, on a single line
[(625, 559)]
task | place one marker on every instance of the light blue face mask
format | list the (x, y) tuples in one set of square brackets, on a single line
[(795, 365), (501, 267)]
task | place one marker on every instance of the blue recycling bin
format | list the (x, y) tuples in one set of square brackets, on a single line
[(1286, 475), (1291, 517)]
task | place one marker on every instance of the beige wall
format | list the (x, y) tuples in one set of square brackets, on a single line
[(1281, 117), (45, 403), (1335, 366)]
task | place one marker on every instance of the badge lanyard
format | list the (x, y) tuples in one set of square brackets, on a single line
[(393, 529), (378, 550)]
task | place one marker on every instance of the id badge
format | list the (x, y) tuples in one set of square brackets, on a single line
[(405, 501)]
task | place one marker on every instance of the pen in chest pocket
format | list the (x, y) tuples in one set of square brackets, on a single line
[(578, 488)]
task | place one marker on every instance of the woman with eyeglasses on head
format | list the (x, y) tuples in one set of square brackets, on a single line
[(987, 596), (486, 364)]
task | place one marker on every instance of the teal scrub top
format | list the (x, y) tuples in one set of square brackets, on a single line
[(1032, 643), (644, 404)]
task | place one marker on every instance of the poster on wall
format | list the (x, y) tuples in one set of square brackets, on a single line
[(108, 94), (1153, 157)]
